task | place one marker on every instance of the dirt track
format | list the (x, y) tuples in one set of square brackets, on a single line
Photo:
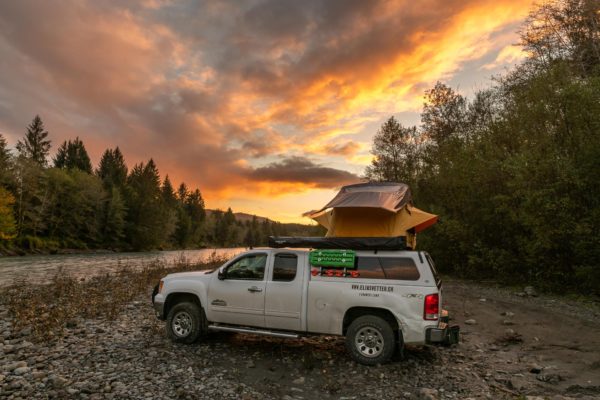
[(553, 351)]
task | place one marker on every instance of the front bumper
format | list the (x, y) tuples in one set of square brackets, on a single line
[(158, 303), (444, 333)]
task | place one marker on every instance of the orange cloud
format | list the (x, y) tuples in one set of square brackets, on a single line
[(259, 100)]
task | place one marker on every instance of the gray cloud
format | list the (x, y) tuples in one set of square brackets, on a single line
[(303, 170)]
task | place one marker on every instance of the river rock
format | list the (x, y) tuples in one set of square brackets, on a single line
[(428, 394), (471, 322), (21, 370), (530, 291)]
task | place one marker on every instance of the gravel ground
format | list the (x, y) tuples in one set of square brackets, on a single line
[(499, 357)]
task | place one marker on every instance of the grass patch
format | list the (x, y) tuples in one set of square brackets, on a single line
[(47, 308)]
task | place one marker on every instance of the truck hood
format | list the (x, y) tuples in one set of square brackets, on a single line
[(188, 275)]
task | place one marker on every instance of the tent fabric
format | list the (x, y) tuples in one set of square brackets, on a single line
[(389, 196), (373, 210), (375, 222)]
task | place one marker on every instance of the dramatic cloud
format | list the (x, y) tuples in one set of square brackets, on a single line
[(215, 90), (304, 171)]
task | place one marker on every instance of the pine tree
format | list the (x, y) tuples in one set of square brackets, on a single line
[(149, 222), (182, 193), (112, 169), (5, 162), (35, 146), (72, 155), (7, 220), (113, 225), (168, 194)]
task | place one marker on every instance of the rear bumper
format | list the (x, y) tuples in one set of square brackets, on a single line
[(444, 333)]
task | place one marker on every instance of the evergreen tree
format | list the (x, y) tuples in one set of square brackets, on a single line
[(168, 194), (72, 154), (113, 224), (7, 220), (149, 222), (5, 162), (182, 193), (35, 146), (112, 169)]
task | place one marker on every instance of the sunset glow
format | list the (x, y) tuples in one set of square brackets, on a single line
[(266, 106)]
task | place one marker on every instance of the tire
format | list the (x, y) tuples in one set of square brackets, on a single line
[(186, 322), (370, 340)]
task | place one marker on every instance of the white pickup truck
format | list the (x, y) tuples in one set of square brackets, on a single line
[(388, 299)]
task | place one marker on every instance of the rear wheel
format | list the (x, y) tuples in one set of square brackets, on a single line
[(370, 340), (185, 322)]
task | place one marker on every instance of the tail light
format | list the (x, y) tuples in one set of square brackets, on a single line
[(432, 307)]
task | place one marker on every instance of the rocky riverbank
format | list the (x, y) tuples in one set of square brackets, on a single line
[(129, 357)]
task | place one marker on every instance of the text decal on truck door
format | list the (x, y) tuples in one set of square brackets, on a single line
[(373, 288)]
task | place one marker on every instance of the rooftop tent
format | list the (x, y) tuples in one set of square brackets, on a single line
[(373, 210)]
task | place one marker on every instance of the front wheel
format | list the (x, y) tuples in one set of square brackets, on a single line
[(185, 322), (370, 340)]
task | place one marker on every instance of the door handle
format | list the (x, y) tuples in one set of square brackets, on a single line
[(254, 289)]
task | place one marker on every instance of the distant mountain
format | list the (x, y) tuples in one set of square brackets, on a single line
[(243, 217)]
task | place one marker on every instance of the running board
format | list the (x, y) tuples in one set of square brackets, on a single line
[(253, 331)]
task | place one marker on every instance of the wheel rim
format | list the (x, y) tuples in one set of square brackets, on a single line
[(369, 341), (182, 324)]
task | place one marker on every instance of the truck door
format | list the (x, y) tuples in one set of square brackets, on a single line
[(284, 297), (239, 297)]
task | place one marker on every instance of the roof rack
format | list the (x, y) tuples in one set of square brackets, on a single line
[(349, 243)]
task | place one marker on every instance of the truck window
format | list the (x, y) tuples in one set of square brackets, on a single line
[(250, 267), (438, 280), (369, 268), (284, 267), (400, 268)]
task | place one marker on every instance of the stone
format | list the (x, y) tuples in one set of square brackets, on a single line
[(298, 381), (57, 381), (25, 331), (549, 378), (21, 370), (471, 322), (72, 323), (428, 394), (507, 314), (507, 322), (535, 368), (530, 291)]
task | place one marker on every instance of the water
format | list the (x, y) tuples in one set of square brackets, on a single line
[(41, 268)]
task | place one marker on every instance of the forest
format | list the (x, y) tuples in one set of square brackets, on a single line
[(71, 205), (513, 172)]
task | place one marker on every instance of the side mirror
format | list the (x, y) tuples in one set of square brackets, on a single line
[(221, 274)]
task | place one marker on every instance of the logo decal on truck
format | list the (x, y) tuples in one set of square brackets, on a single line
[(373, 288)]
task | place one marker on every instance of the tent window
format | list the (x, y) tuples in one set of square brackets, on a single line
[(369, 268), (401, 269)]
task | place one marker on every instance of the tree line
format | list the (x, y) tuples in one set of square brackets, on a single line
[(513, 172), (71, 205)]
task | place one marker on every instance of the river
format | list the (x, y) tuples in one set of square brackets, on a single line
[(41, 268)]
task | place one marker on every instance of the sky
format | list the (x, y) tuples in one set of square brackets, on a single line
[(267, 107)]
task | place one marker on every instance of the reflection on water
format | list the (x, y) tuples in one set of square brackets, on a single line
[(41, 268)]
